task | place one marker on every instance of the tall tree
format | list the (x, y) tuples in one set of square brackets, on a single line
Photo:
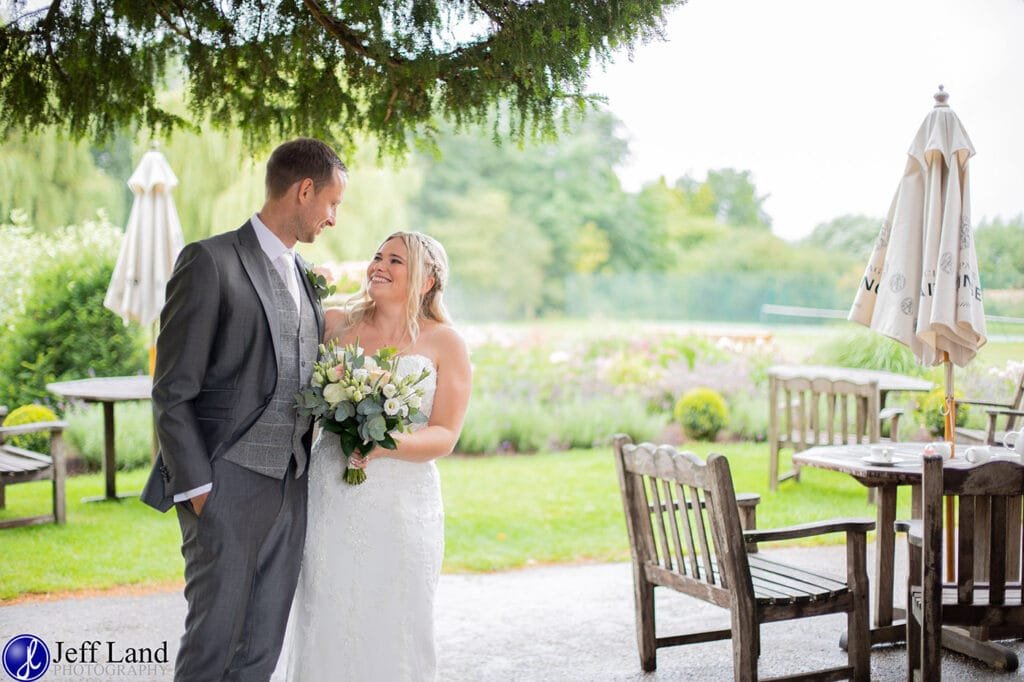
[(335, 69), (1000, 246), (852, 235), (729, 196)]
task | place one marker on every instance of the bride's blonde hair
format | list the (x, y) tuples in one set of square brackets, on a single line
[(427, 258)]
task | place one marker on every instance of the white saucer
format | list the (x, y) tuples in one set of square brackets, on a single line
[(879, 462)]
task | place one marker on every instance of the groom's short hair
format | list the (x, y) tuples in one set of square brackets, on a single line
[(299, 159)]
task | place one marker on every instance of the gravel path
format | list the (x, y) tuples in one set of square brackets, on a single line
[(550, 623)]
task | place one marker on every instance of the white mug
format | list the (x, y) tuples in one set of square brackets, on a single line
[(1010, 437), (978, 454)]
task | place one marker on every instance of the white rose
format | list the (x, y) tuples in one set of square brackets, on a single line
[(392, 407), (415, 401), (334, 394), (360, 375), (389, 390), (370, 363)]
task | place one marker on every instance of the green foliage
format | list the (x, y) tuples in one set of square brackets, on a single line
[(54, 182), (702, 413), (932, 407), (31, 414), (730, 197), (581, 422), (133, 437), (55, 325), (476, 229), (550, 195), (850, 235), (1000, 247), (865, 349), (330, 69)]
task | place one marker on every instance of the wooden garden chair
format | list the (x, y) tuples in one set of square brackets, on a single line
[(18, 465), (984, 601), (685, 534), (806, 412), (1011, 412)]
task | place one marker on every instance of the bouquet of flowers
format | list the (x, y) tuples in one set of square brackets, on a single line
[(362, 399)]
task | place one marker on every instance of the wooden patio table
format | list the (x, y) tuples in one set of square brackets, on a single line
[(904, 471), (106, 390), (887, 381)]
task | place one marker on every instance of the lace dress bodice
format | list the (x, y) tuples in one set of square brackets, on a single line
[(363, 609)]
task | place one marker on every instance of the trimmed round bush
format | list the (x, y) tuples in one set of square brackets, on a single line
[(31, 414), (932, 406), (702, 413)]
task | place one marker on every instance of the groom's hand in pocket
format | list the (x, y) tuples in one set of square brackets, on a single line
[(198, 502)]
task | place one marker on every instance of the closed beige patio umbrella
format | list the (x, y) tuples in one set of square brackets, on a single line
[(921, 284), (152, 241)]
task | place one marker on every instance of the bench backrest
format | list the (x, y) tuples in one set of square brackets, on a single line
[(684, 527), (825, 411)]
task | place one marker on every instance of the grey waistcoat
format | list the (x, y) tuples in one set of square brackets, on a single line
[(270, 443)]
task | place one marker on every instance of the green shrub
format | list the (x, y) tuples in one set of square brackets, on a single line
[(57, 328), (931, 407), (702, 413), (31, 414), (133, 438), (865, 349)]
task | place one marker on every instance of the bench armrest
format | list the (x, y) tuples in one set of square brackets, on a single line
[(890, 412), (913, 529), (1005, 410), (747, 499), (806, 530), (990, 403), (36, 427)]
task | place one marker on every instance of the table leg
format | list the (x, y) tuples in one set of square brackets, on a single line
[(109, 462), (885, 555)]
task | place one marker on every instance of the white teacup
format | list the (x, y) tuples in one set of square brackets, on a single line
[(881, 454), (1014, 440), (939, 447), (977, 454)]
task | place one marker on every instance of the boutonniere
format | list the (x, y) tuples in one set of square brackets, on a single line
[(321, 287)]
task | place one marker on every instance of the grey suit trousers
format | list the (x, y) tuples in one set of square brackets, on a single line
[(240, 573)]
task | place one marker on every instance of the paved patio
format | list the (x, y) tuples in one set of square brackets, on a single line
[(548, 623)]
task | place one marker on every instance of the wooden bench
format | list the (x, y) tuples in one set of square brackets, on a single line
[(18, 465), (805, 412), (686, 534), (985, 600)]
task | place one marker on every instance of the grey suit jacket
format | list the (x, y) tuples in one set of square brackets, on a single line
[(216, 359)]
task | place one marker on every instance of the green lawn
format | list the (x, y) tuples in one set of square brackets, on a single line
[(502, 512)]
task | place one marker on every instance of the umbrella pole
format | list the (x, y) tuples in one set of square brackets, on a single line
[(950, 437)]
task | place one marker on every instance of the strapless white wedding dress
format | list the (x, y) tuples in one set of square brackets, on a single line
[(364, 607)]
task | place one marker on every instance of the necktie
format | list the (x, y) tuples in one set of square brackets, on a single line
[(286, 267)]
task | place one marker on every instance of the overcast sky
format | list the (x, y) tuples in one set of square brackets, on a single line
[(820, 99)]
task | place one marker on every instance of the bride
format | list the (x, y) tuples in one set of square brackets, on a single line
[(363, 609)]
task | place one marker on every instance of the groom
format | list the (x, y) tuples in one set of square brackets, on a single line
[(239, 335)]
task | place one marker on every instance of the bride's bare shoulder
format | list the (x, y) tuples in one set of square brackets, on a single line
[(446, 342), (338, 325)]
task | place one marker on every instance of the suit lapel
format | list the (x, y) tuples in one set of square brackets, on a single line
[(318, 310), (253, 260)]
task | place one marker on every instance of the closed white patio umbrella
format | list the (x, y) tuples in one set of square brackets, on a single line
[(921, 285), (152, 241)]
